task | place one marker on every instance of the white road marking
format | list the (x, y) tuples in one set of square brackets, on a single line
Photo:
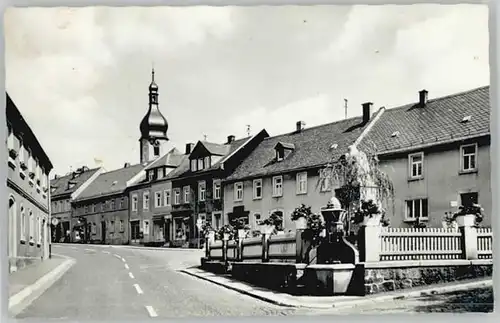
[(74, 248), (123, 259), (117, 256), (106, 252), (138, 288), (151, 311), (131, 276), (90, 250), (126, 266)]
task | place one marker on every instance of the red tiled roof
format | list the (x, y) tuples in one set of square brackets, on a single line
[(438, 121), (311, 147)]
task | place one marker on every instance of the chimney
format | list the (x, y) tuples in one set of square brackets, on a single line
[(189, 148), (56, 176), (367, 111), (230, 139), (423, 98), (126, 165), (300, 125)]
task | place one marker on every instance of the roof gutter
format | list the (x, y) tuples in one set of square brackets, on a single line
[(430, 144)]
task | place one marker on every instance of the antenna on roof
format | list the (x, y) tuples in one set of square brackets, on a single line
[(205, 136), (248, 130), (345, 107)]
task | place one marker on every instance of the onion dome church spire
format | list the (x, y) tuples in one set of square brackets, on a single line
[(153, 126)]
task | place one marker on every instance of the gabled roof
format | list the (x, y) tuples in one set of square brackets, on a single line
[(110, 182), (61, 184), (171, 159), (440, 120), (312, 148)]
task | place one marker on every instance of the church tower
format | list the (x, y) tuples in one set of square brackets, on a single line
[(153, 126)]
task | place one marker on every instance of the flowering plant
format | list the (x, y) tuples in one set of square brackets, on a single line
[(368, 209), (206, 228), (302, 211), (275, 219), (474, 209), (240, 224), (226, 229)]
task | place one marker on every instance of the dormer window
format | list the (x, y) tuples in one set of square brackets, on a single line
[(283, 149), (193, 165), (71, 185), (200, 164), (151, 175), (207, 162)]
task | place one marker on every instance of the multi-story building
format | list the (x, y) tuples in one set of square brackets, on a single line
[(101, 211), (64, 190), (151, 202), (28, 189), (437, 154), (284, 171), (197, 190)]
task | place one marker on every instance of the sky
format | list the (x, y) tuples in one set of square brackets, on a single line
[(80, 76)]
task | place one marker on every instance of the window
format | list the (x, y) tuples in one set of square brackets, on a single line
[(23, 224), (200, 164), (166, 196), (94, 228), (86, 209), (151, 175), (10, 139), (468, 199), (217, 190), (186, 194), (278, 186), (122, 226), (146, 227), (111, 226), (157, 199), (31, 224), (201, 191), (38, 231), (416, 165), (302, 183), (217, 220), (112, 204), (256, 219), (280, 154), (177, 197), (134, 203), (416, 209), (257, 188), (21, 152), (207, 162), (326, 182), (238, 191), (468, 157), (122, 202), (30, 162), (145, 201), (193, 165), (159, 172)]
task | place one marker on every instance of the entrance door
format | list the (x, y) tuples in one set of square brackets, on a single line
[(134, 232), (12, 228), (103, 232)]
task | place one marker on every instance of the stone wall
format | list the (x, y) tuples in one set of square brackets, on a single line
[(389, 276)]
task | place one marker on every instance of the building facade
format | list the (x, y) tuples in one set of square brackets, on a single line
[(101, 212), (437, 154), (284, 171), (64, 190), (150, 217), (197, 187), (29, 195)]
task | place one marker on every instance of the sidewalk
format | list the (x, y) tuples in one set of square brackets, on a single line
[(27, 284), (324, 302), (129, 247)]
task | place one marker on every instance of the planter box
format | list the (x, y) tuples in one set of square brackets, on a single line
[(301, 224), (467, 220)]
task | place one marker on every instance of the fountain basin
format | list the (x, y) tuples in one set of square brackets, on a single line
[(329, 280)]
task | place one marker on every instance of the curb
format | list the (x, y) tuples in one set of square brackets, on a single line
[(21, 300), (127, 247), (354, 303), (241, 291)]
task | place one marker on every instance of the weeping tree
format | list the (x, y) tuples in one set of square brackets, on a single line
[(353, 172)]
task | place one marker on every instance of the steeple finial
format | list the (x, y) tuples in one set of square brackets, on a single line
[(153, 73)]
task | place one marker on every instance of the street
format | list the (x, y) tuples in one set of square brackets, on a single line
[(125, 283)]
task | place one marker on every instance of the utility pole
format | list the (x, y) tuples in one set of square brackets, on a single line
[(345, 107)]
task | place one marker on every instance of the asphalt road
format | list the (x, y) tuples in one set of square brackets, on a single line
[(124, 283)]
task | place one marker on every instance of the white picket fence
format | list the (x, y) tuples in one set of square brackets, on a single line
[(484, 243), (420, 244)]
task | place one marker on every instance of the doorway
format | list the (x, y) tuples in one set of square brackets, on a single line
[(12, 233), (103, 232), (134, 231)]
